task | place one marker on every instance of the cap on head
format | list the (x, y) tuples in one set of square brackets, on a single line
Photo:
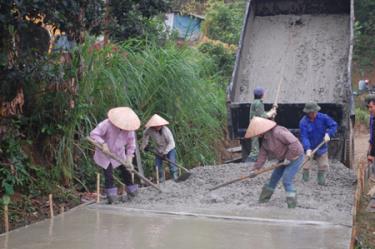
[(258, 126), (311, 107), (259, 91), (124, 118), (156, 120)]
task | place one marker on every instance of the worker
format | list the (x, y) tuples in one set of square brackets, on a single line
[(117, 135), (157, 129), (370, 100), (277, 143), (363, 85), (257, 110), (316, 127)]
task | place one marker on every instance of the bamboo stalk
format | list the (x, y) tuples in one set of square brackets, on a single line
[(50, 206), (6, 218), (97, 187)]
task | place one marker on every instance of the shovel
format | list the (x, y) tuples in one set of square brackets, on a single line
[(252, 175), (182, 177), (114, 157), (261, 171)]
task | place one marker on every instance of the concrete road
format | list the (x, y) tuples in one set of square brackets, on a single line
[(103, 228)]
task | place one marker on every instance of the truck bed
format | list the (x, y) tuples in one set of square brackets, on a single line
[(314, 49)]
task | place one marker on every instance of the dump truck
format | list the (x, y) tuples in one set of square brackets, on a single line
[(299, 51)]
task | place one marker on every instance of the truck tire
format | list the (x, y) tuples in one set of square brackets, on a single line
[(349, 147)]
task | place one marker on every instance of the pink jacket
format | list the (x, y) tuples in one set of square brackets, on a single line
[(116, 139)]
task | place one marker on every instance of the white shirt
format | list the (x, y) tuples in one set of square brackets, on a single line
[(163, 139)]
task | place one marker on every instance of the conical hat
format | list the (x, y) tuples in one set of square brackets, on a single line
[(259, 126), (156, 120), (124, 118)]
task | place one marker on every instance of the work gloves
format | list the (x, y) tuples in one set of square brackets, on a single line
[(326, 138), (106, 149), (309, 153)]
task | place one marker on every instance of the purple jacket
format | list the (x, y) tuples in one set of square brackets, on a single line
[(116, 139)]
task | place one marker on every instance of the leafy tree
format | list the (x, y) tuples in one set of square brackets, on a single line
[(224, 21), (24, 41), (365, 33), (134, 18)]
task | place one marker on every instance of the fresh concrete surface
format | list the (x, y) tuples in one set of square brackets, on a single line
[(97, 228)]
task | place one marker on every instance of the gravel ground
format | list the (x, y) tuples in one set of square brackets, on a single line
[(332, 203)]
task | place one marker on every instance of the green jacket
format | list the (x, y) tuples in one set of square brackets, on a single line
[(257, 109)]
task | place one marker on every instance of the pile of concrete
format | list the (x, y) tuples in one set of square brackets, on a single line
[(332, 203)]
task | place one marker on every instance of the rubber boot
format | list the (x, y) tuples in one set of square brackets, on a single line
[(175, 176), (132, 190), (305, 175), (124, 198), (161, 176), (291, 199), (322, 177), (266, 194), (112, 196)]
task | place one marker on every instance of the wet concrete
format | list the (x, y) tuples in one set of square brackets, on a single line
[(310, 58), (90, 228), (331, 203)]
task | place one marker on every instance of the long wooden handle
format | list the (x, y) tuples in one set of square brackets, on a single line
[(114, 157), (167, 160), (175, 164), (313, 153), (252, 175)]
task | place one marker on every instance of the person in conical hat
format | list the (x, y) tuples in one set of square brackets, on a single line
[(117, 135), (277, 143), (161, 135)]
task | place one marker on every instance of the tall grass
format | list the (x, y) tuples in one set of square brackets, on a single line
[(362, 116), (176, 82)]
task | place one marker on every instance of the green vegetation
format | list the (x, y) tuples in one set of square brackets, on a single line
[(362, 116), (180, 83), (65, 94), (365, 34), (224, 21), (223, 58)]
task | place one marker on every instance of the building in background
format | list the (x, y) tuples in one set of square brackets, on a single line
[(187, 26)]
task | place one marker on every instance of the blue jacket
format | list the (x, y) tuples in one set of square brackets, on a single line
[(312, 133)]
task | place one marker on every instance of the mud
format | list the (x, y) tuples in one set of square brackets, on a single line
[(332, 203), (97, 229), (315, 52)]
